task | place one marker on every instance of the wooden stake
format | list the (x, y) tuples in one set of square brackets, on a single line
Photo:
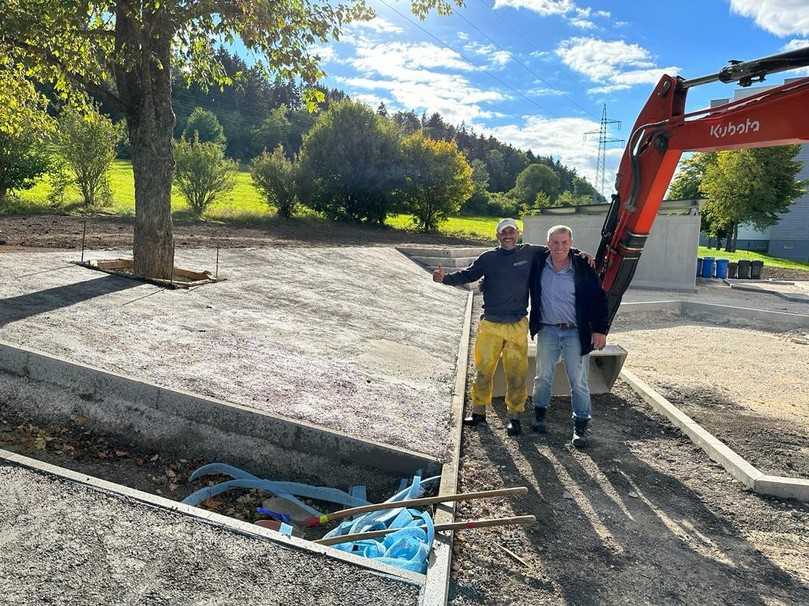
[(347, 513), (485, 523)]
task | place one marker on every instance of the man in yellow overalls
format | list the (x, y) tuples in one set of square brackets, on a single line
[(503, 327)]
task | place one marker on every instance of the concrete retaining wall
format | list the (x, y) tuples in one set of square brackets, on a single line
[(669, 259), (174, 421)]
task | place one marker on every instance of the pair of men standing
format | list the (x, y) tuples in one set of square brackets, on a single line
[(568, 312)]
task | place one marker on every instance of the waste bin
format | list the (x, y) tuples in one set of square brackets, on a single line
[(732, 269), (722, 268), (743, 270), (708, 267), (755, 269), (699, 266)]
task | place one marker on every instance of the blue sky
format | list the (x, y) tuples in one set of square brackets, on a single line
[(535, 73)]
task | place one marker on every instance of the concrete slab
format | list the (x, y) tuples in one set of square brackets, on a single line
[(604, 367), (71, 539), (190, 426), (356, 340)]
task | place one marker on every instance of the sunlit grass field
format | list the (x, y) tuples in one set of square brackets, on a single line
[(245, 204), (704, 251)]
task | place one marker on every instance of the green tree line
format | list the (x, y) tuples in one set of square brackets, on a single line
[(746, 186)]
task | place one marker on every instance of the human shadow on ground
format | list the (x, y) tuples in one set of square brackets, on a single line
[(615, 522), (13, 309)]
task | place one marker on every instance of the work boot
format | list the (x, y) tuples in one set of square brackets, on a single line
[(580, 432), (514, 428), (539, 420), (474, 419)]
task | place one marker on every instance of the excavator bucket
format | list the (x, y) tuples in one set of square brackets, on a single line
[(605, 366)]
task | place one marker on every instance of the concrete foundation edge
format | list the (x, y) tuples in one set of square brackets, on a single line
[(194, 416), (435, 591), (738, 467), (209, 517)]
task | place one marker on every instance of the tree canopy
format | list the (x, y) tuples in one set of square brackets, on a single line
[(126, 52)]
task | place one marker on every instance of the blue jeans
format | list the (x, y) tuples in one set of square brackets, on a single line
[(552, 343)]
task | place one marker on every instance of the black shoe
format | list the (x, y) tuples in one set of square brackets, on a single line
[(514, 428), (474, 419), (580, 432), (539, 420)]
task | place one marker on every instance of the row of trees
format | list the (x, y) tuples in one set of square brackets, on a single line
[(353, 165), (747, 186)]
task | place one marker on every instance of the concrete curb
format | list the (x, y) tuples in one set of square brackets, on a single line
[(209, 517), (436, 587), (729, 314), (738, 467), (182, 422)]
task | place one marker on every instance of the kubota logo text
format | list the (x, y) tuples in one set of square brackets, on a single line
[(727, 130)]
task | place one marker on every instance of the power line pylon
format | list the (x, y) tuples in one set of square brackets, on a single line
[(603, 140)]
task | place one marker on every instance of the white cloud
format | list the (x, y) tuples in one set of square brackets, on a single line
[(326, 53), (615, 65), (582, 23), (542, 7), (393, 58), (377, 24), (561, 138), (795, 44), (417, 76), (373, 101), (577, 16), (780, 17), (495, 56), (545, 92)]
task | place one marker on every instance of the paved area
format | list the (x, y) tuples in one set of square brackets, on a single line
[(759, 295), (354, 339), (63, 543)]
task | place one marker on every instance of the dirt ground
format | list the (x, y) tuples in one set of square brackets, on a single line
[(642, 516), (747, 387), (65, 232)]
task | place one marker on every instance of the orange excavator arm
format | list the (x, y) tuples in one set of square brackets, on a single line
[(663, 131)]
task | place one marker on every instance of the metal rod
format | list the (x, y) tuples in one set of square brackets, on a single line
[(83, 234), (448, 498), (746, 72), (516, 520), (216, 275)]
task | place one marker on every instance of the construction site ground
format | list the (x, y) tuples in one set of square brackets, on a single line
[(642, 516)]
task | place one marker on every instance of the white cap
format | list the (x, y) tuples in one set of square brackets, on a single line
[(503, 223)]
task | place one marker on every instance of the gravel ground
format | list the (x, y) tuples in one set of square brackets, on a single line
[(64, 543), (354, 339), (642, 516), (747, 387)]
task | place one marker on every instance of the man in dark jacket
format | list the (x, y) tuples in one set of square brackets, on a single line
[(503, 329), (569, 312)]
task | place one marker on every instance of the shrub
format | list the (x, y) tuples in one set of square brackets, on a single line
[(274, 176), (350, 164), (85, 145), (202, 172), (437, 180)]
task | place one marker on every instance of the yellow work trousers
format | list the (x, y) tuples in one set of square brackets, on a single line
[(510, 341)]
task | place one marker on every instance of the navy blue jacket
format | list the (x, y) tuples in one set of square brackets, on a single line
[(591, 300)]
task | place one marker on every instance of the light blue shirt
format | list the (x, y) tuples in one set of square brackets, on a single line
[(558, 302)]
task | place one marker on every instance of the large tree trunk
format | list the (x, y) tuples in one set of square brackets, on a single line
[(145, 87)]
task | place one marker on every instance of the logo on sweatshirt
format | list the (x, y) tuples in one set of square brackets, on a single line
[(518, 263)]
